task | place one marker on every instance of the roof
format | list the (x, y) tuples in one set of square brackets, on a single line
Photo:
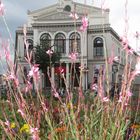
[(78, 7)]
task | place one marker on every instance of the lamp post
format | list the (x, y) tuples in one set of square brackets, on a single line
[(33, 59), (114, 71)]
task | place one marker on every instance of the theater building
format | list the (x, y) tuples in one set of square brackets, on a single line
[(53, 25)]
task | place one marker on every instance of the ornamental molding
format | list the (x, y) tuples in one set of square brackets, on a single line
[(57, 25), (55, 15)]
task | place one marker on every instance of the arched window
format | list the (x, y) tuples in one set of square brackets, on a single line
[(30, 47), (75, 43), (98, 47), (60, 43), (45, 41)]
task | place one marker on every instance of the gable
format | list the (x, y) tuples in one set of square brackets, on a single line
[(56, 16), (57, 13)]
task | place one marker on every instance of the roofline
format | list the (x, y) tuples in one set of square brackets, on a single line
[(40, 9), (53, 5)]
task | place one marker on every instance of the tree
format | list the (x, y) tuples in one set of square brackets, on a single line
[(45, 57)]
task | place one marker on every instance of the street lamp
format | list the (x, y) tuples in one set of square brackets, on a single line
[(114, 71)]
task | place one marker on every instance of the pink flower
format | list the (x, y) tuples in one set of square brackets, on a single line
[(129, 93), (1, 9), (120, 99), (16, 82), (105, 99), (61, 70), (125, 43), (74, 16), (34, 72), (94, 87), (49, 52), (44, 106), (84, 24), (34, 132), (21, 112), (73, 57), (56, 94), (13, 77), (7, 123)]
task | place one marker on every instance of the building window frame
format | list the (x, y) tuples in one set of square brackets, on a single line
[(30, 47), (45, 41), (75, 42), (98, 46), (60, 43)]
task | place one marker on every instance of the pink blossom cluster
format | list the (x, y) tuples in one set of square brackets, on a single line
[(84, 24), (21, 112), (13, 77), (73, 56), (94, 87), (74, 16), (34, 72), (105, 99), (125, 43), (34, 132)]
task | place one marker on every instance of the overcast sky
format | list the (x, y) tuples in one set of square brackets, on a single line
[(16, 14)]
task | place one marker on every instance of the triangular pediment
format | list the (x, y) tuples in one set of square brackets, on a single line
[(56, 12), (56, 16)]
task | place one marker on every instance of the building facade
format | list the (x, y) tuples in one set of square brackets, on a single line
[(53, 25)]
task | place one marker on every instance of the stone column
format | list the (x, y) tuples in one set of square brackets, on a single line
[(67, 46), (67, 74), (35, 37)]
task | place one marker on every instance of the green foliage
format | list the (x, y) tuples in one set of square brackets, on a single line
[(45, 60)]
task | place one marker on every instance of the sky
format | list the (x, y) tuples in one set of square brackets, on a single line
[(16, 15)]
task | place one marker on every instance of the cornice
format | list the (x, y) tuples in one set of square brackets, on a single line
[(29, 30), (52, 25), (103, 28)]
